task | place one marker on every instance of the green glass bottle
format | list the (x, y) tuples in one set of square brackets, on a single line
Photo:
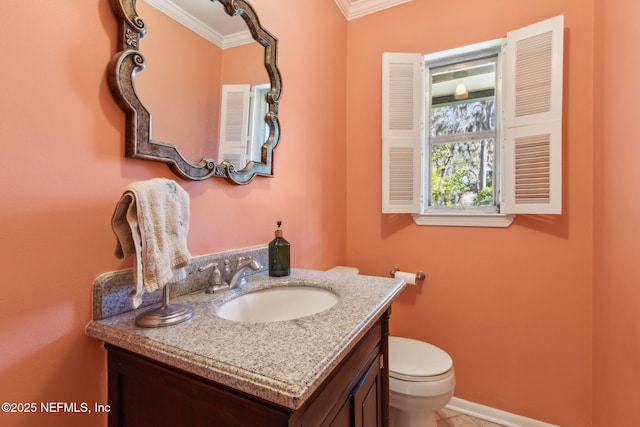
[(279, 255)]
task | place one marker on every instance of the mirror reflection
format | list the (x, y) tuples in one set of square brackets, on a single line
[(199, 84), (213, 99)]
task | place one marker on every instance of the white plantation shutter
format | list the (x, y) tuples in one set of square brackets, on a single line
[(234, 124), (402, 131), (532, 178)]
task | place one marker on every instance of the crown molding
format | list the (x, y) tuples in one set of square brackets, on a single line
[(353, 9), (194, 24)]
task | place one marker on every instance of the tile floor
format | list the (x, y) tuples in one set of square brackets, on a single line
[(448, 418)]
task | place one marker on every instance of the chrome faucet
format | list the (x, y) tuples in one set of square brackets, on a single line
[(229, 279), (238, 277)]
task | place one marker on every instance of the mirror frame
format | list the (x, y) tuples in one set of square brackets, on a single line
[(138, 140)]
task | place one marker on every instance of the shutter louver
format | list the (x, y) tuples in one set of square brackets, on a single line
[(233, 127), (533, 71), (401, 96), (401, 173), (402, 116), (532, 169)]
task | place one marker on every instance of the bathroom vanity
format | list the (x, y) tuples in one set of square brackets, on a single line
[(325, 369)]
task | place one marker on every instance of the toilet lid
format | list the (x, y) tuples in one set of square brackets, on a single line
[(415, 360)]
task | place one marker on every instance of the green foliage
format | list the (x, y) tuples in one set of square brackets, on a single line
[(484, 197), (462, 171), (463, 117)]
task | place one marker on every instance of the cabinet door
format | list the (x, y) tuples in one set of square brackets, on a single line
[(363, 406), (344, 417), (367, 397)]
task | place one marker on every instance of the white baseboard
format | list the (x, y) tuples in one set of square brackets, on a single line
[(494, 415)]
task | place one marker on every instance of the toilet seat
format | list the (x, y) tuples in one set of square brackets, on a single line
[(417, 361)]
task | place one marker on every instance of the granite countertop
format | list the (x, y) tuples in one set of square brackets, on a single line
[(282, 362)]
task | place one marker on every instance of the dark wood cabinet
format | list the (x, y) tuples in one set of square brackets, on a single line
[(368, 396), (363, 406), (143, 392)]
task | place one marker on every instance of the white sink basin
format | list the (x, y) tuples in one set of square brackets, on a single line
[(278, 303)]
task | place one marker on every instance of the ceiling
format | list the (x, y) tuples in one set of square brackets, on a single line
[(208, 19)]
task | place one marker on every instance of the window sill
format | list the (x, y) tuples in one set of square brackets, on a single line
[(465, 220)]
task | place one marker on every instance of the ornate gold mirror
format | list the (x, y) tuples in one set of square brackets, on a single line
[(229, 126)]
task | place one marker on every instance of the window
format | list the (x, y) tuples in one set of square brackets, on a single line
[(472, 136), (461, 134)]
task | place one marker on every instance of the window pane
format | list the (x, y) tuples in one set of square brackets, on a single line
[(474, 116), (462, 133), (462, 173)]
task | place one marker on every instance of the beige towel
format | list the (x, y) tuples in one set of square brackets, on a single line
[(151, 220)]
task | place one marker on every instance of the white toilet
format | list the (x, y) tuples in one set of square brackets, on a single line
[(421, 379)]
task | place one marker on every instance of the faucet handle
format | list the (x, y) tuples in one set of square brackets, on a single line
[(208, 266), (215, 280), (248, 261), (255, 264)]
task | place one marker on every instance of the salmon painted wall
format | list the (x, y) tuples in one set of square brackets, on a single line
[(617, 274), (512, 306), (183, 95), (62, 169), (244, 65)]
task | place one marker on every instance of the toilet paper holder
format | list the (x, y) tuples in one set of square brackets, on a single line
[(419, 275)]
